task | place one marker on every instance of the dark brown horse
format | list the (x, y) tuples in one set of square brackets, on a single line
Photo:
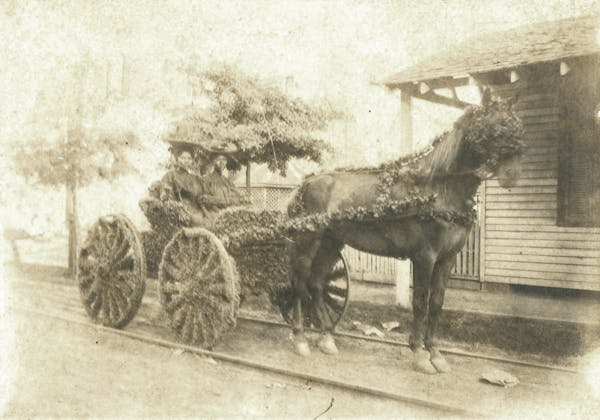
[(419, 207)]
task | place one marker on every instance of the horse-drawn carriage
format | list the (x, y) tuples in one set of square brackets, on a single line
[(204, 272), (418, 207)]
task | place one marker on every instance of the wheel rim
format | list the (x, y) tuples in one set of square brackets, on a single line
[(111, 271), (199, 287), (336, 293)]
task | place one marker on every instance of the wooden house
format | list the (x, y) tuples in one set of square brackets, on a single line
[(546, 230)]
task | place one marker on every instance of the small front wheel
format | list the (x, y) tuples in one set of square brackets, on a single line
[(336, 292)]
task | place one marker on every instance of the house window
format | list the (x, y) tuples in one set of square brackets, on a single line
[(579, 147)]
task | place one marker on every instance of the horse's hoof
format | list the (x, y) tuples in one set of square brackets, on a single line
[(302, 348), (327, 344), (439, 362), (421, 362)]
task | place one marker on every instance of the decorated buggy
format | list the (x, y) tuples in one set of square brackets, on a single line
[(205, 267), (418, 207)]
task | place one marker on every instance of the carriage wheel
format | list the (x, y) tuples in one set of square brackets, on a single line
[(199, 286), (335, 294), (111, 270)]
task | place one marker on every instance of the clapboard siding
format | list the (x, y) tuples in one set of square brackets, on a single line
[(543, 281), (550, 252), (523, 245), (546, 259), (529, 240), (590, 232), (534, 221)]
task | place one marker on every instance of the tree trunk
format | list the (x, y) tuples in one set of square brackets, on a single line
[(72, 221), (248, 182)]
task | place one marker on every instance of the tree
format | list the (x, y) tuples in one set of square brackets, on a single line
[(262, 122), (70, 146)]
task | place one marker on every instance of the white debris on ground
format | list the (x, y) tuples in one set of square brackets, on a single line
[(389, 326), (499, 377), (367, 329)]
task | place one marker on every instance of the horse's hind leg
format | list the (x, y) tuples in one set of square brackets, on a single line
[(422, 271), (325, 259), (305, 249), (441, 272)]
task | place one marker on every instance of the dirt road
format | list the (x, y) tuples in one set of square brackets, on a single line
[(72, 370)]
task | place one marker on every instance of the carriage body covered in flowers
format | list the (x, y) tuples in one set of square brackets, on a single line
[(204, 272)]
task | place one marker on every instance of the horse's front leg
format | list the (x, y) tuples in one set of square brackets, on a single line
[(422, 269), (305, 250), (439, 279), (325, 259)]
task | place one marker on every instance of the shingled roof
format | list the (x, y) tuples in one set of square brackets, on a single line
[(535, 43)]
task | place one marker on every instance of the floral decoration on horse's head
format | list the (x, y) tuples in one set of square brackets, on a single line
[(492, 132)]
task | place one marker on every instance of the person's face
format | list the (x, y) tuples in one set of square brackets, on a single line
[(185, 160), (221, 163)]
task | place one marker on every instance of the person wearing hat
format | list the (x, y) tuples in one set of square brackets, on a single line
[(181, 184), (220, 192)]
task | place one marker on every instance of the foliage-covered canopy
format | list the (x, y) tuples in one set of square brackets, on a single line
[(265, 124)]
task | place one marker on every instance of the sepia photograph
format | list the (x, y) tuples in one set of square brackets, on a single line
[(300, 209)]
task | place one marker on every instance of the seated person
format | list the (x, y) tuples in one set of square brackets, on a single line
[(219, 192), (181, 184)]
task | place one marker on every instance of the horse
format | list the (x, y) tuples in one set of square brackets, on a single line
[(419, 207)]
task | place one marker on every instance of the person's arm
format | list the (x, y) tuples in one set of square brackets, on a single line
[(213, 195)]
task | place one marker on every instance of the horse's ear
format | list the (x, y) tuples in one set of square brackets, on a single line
[(513, 100), (486, 98)]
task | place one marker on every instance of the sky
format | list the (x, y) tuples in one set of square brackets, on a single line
[(332, 51)]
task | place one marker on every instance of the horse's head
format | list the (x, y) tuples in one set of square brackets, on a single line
[(492, 140)]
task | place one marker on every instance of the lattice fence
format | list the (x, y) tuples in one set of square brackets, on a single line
[(271, 197)]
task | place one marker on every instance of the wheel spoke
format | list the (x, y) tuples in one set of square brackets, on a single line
[(105, 232), (333, 304), (85, 279), (121, 302), (336, 291), (94, 306), (171, 288), (174, 272), (105, 306), (89, 296), (211, 275), (121, 251), (115, 314), (197, 335), (327, 309), (125, 263), (207, 264), (336, 273), (208, 329), (117, 237), (187, 327), (129, 278), (179, 316), (175, 302), (123, 287)]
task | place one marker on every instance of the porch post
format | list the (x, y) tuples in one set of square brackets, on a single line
[(403, 274)]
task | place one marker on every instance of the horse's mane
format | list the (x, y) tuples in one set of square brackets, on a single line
[(434, 159)]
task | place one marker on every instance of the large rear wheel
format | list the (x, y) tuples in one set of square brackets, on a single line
[(111, 270), (199, 287)]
